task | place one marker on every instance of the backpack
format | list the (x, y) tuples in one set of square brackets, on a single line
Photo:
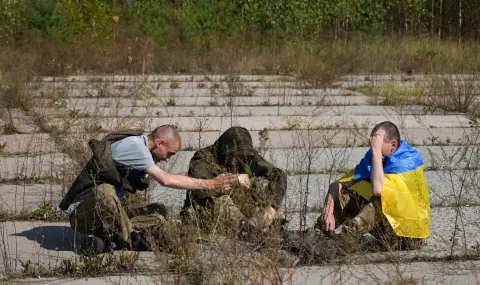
[(102, 169)]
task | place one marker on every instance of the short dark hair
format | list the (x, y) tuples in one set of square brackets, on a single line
[(390, 129)]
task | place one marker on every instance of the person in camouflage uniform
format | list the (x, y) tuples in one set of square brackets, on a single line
[(123, 163), (255, 203)]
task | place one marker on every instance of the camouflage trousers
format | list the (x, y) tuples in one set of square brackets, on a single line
[(224, 214), (100, 213), (355, 217)]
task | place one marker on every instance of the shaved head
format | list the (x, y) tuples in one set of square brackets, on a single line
[(167, 133), (164, 142)]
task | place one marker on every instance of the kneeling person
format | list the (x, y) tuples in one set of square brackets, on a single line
[(123, 163)]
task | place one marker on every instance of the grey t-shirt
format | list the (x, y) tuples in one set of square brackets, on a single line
[(132, 152)]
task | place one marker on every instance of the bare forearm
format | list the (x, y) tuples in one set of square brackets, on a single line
[(177, 181), (329, 204), (377, 176), (184, 182), (333, 193)]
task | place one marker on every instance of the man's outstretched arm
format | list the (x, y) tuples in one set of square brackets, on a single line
[(221, 182)]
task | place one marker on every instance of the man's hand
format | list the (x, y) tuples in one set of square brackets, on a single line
[(376, 142), (263, 219), (223, 182), (329, 222), (244, 180)]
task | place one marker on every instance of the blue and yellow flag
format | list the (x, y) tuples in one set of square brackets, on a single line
[(405, 198)]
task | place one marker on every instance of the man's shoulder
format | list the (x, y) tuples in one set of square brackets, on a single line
[(132, 140), (132, 144), (204, 152)]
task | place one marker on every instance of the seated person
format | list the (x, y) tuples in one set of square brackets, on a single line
[(249, 206), (386, 196)]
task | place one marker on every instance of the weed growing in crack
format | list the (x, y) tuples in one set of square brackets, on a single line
[(454, 94), (48, 212), (174, 85), (10, 129), (3, 147), (171, 102), (84, 267), (44, 212), (213, 103)]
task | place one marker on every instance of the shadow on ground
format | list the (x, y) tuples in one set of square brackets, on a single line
[(51, 237)]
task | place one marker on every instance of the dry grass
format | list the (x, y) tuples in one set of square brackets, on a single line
[(320, 62), (455, 95), (190, 256)]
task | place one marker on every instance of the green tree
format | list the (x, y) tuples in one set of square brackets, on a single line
[(42, 18), (12, 20), (92, 17)]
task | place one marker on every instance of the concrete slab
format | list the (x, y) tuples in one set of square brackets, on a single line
[(172, 85), (442, 227), (425, 84), (322, 159), (259, 123), (105, 90), (47, 244), (442, 272), (163, 78), (337, 138), (405, 77), (444, 190), (21, 125), (289, 139), (326, 100), (26, 144), (390, 273), (47, 165), (11, 113), (17, 198), (50, 243), (222, 111)]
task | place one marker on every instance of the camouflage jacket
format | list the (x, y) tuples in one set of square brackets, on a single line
[(210, 162)]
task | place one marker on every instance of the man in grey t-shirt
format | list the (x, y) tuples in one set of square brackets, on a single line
[(132, 152), (96, 210)]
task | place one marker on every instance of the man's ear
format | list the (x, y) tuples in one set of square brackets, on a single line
[(159, 142), (395, 144)]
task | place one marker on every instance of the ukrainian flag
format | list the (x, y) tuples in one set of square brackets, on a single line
[(405, 198)]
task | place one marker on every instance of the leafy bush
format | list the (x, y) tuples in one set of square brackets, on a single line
[(12, 20), (150, 18), (42, 17), (208, 19), (92, 17)]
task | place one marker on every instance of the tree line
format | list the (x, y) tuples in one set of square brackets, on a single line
[(213, 20)]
